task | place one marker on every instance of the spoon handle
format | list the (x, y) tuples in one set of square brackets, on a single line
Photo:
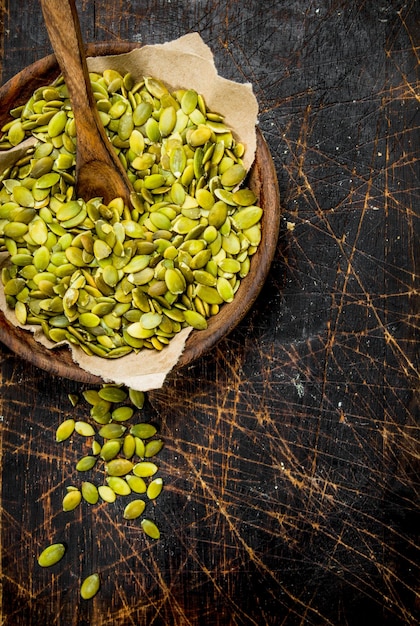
[(99, 172)]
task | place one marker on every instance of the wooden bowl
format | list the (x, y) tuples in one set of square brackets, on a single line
[(262, 179)]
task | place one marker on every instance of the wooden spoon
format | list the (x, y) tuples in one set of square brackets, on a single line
[(99, 172)]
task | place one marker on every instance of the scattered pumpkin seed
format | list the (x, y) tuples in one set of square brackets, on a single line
[(136, 397), (107, 494), (65, 430), (122, 413), (144, 469), (72, 500), (90, 492), (110, 449), (143, 430), (90, 586), (51, 555), (112, 394), (134, 509), (136, 483), (84, 428), (154, 488), (118, 467), (118, 485), (112, 431), (153, 447), (150, 528), (86, 463)]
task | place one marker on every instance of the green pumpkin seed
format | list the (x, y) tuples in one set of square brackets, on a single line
[(233, 175), (112, 431), (247, 217), (136, 398), (92, 396), (90, 492), (72, 500), (143, 430), (84, 429), (107, 494), (129, 446), (86, 463), (21, 312), (134, 509), (90, 586), (195, 319), (144, 469), (16, 133), (110, 449), (142, 113), (153, 447), (140, 447), (57, 124), (118, 485), (150, 528), (224, 289), (100, 411), (48, 180), (96, 448), (136, 483), (122, 413), (167, 121), (119, 467), (51, 555), (112, 394), (154, 488)]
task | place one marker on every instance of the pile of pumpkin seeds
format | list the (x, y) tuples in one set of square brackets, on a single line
[(120, 454), (114, 278)]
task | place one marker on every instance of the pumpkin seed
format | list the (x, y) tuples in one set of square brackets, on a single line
[(129, 446), (86, 463), (107, 494), (65, 430), (140, 447), (51, 555), (136, 397), (136, 483), (112, 431), (118, 485), (154, 488), (144, 469), (90, 492), (119, 467), (153, 447), (150, 528), (90, 586), (84, 429), (134, 509), (110, 449), (122, 413), (112, 394), (72, 500), (143, 430)]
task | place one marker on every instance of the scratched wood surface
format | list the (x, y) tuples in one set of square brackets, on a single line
[(292, 451)]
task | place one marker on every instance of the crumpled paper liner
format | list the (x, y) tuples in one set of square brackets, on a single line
[(185, 63)]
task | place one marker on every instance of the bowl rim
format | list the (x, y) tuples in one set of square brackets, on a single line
[(262, 178)]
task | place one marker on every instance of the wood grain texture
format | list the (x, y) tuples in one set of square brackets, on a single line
[(291, 462)]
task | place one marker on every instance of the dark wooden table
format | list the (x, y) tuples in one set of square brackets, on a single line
[(292, 450)]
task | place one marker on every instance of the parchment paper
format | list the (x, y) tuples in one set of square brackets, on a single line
[(185, 63)]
